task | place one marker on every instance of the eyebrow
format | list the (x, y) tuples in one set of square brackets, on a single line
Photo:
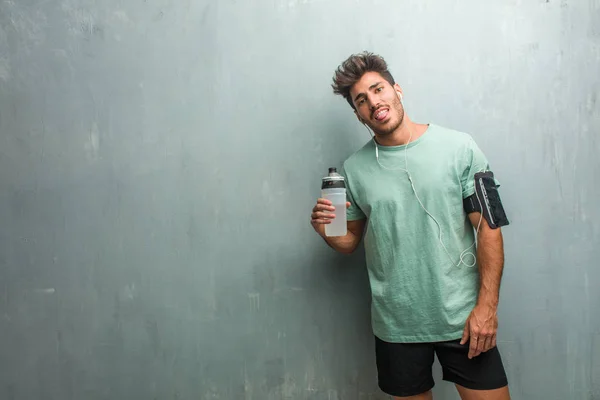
[(370, 88)]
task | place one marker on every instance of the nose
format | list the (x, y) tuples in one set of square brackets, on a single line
[(373, 101), (373, 104)]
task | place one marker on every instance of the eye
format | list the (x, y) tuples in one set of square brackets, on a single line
[(379, 89), (361, 101)]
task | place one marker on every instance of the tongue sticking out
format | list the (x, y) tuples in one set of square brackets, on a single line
[(381, 115)]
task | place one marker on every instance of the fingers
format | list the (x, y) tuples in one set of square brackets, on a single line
[(323, 205), (465, 335), (324, 201), (477, 345), (322, 212), (480, 344), (487, 344), (473, 347), (480, 331), (490, 342), (321, 217)]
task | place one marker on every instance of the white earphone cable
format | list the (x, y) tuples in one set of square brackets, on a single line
[(465, 252)]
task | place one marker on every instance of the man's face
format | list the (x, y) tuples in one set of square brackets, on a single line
[(377, 103)]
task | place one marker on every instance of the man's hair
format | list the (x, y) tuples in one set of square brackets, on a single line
[(355, 66)]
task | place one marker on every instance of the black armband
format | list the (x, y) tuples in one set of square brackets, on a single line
[(486, 200)]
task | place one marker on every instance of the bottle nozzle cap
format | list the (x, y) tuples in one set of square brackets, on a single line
[(332, 169)]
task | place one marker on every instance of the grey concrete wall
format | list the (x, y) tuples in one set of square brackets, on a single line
[(159, 160)]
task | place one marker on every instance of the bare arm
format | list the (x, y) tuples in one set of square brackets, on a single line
[(322, 215), (482, 324), (490, 257)]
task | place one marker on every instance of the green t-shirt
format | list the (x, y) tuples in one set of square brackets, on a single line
[(419, 294)]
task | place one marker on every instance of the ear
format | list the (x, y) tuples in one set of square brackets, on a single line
[(398, 89)]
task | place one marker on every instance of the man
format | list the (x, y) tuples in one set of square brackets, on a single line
[(421, 193)]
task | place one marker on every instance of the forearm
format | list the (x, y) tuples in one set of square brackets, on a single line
[(322, 215), (343, 244), (490, 258)]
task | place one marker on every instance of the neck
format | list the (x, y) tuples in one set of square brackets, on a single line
[(407, 130)]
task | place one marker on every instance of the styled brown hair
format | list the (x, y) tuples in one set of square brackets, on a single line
[(355, 66)]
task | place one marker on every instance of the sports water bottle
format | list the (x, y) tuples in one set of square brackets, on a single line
[(333, 188)]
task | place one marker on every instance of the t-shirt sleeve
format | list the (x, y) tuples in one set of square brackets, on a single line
[(474, 161), (353, 213)]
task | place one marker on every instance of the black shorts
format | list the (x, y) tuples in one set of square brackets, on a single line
[(405, 369)]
